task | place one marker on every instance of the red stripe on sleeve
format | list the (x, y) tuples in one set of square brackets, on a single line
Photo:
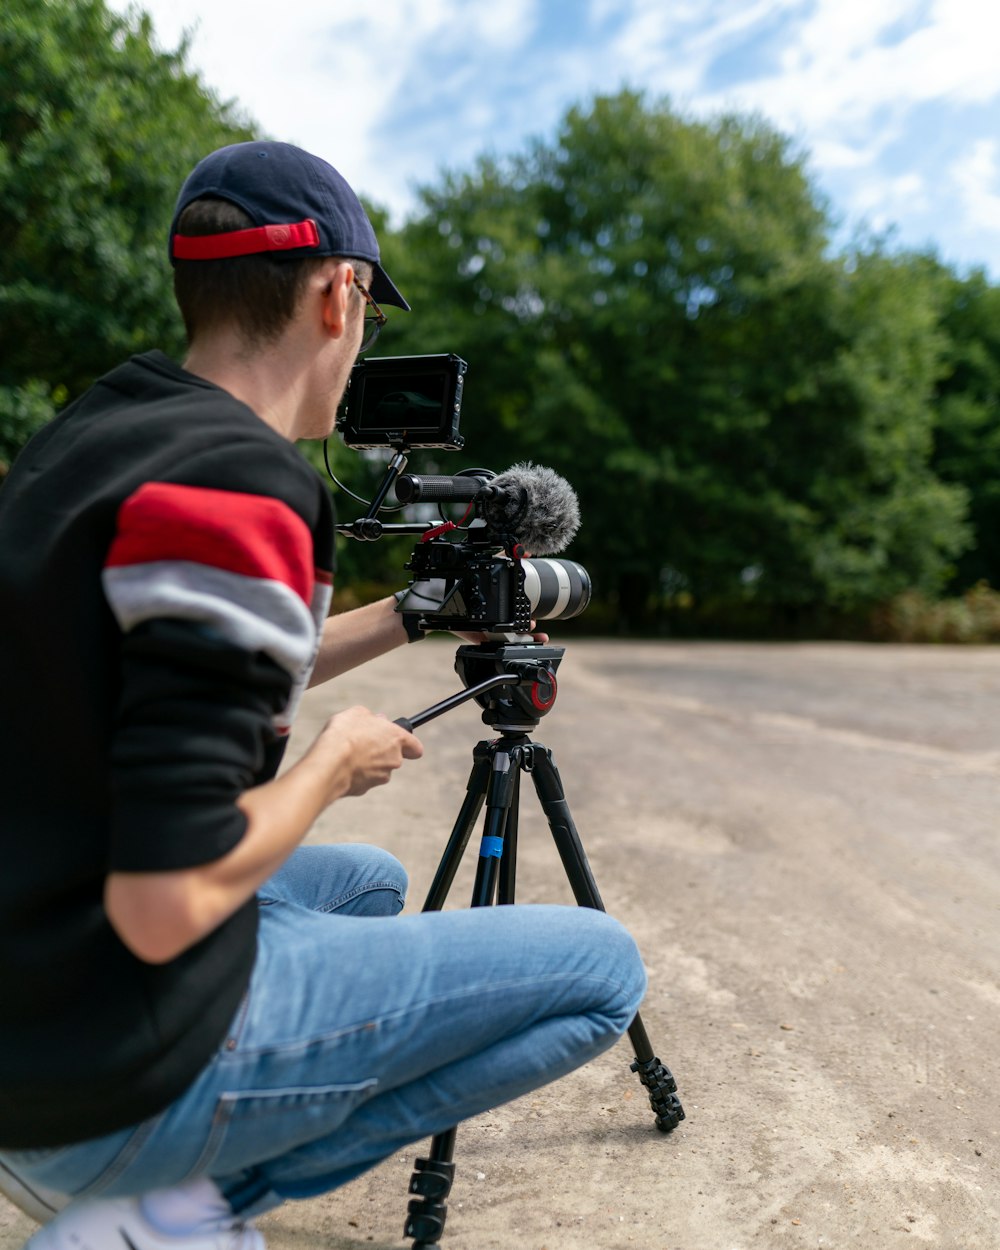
[(254, 535)]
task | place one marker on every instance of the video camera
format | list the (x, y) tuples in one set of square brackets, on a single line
[(492, 579)]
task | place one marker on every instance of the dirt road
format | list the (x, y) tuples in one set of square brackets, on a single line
[(804, 841)]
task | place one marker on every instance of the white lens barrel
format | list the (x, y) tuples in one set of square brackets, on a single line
[(556, 589)]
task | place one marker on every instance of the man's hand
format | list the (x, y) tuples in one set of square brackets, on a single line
[(160, 914), (375, 747), (474, 637)]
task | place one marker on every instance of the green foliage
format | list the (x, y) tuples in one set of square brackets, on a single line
[(23, 410), (648, 304), (967, 449), (98, 127), (758, 429), (890, 522)]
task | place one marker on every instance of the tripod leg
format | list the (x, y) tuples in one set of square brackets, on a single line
[(500, 796), (474, 794), (508, 860), (548, 787), (431, 1180), (654, 1075), (432, 1177), (495, 776)]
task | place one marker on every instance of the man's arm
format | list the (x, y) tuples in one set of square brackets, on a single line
[(355, 637), (218, 597), (363, 634), (158, 915)]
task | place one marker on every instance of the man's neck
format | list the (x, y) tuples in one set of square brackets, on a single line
[(267, 381)]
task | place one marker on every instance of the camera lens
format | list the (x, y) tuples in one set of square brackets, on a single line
[(556, 589)]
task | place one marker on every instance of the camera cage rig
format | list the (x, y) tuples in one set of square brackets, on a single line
[(478, 583)]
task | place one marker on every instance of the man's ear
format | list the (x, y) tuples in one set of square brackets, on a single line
[(336, 288)]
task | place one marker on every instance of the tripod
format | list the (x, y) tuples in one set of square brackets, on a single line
[(516, 685)]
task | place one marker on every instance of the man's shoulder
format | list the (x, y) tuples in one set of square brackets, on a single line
[(150, 421), (195, 433), (152, 387)]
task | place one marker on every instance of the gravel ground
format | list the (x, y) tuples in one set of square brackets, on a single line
[(803, 841)]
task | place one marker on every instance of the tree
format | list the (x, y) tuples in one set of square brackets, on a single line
[(967, 449), (648, 304), (98, 127), (891, 524)]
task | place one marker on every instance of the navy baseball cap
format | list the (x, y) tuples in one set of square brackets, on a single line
[(300, 207)]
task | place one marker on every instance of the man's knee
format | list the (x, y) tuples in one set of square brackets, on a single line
[(600, 949), (370, 881), (618, 956), (388, 874)]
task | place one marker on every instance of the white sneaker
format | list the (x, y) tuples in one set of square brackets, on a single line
[(35, 1200), (118, 1224)]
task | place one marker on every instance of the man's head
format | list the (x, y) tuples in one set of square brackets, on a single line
[(252, 223)]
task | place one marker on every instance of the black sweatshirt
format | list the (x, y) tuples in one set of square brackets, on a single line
[(165, 568)]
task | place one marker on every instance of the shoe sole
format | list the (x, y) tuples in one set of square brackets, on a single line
[(40, 1204)]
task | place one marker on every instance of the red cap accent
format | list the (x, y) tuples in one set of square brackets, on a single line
[(281, 238)]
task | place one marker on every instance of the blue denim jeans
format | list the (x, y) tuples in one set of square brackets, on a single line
[(363, 1031)]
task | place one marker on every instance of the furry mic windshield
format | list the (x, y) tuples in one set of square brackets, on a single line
[(538, 504)]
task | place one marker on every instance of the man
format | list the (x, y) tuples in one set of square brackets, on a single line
[(202, 1019)]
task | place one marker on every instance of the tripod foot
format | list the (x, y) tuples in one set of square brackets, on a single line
[(662, 1089), (432, 1180)]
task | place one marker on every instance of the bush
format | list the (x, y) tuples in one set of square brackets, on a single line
[(912, 617)]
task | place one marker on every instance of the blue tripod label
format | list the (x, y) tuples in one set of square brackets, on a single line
[(491, 848)]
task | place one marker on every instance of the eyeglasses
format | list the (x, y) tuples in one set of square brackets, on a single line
[(375, 318)]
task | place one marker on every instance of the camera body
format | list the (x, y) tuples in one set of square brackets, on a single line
[(468, 585), (486, 583)]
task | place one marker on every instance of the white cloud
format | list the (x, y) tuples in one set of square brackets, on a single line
[(882, 201), (835, 33), (391, 93), (847, 71), (839, 84), (505, 26), (850, 76), (328, 76), (670, 46), (977, 178), (288, 75), (835, 154)]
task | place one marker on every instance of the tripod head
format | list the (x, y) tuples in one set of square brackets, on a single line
[(519, 704), (514, 683)]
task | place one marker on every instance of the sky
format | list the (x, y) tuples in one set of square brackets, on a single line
[(895, 103)]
